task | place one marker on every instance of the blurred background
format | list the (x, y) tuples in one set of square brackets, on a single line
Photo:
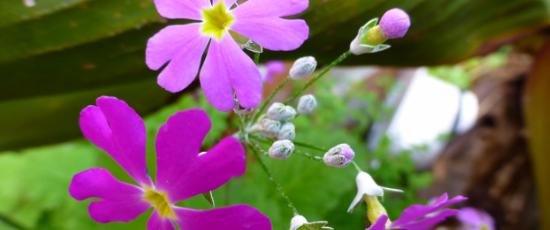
[(460, 105)]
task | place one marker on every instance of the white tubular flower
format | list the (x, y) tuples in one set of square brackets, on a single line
[(287, 132), (307, 104), (303, 67), (280, 112), (358, 46), (367, 187)]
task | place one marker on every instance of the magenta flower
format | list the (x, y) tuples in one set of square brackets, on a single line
[(226, 68), (475, 219), (421, 217), (181, 171)]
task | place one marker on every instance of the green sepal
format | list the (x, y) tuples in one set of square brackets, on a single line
[(315, 225)]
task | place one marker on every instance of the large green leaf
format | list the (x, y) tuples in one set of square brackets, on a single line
[(65, 53)]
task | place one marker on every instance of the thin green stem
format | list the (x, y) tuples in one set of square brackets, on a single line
[(319, 75), (356, 166), (256, 150), (309, 155), (310, 146), (268, 101)]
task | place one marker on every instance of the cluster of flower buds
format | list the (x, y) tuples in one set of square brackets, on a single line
[(339, 156), (303, 67), (371, 37)]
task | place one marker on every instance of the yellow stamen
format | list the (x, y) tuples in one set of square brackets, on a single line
[(375, 210), (160, 202), (216, 20)]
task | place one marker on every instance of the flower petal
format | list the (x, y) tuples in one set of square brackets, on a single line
[(266, 8), (228, 3), (174, 9), (184, 46), (226, 67), (380, 224), (118, 201), (157, 223), (273, 33), (415, 212), (210, 170), (428, 222), (116, 128), (237, 217), (178, 145)]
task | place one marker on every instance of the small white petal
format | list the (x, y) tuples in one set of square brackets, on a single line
[(297, 221)]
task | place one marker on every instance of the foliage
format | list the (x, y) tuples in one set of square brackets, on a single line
[(57, 56), (37, 179)]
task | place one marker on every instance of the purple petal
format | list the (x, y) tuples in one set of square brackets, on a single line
[(189, 9), (380, 224), (228, 3), (428, 222), (227, 67), (157, 223), (210, 170), (118, 201), (116, 128), (267, 8), (238, 217), (178, 145), (273, 33), (415, 212), (184, 46)]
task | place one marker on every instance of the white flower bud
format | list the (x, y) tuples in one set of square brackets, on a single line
[(281, 150), (339, 156), (287, 132), (307, 104), (297, 221), (303, 67), (29, 3), (267, 128), (280, 112)]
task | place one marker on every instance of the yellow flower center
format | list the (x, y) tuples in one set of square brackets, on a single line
[(160, 202), (216, 20)]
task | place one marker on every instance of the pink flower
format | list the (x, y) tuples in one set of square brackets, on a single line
[(226, 68), (421, 217), (181, 171), (273, 68)]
